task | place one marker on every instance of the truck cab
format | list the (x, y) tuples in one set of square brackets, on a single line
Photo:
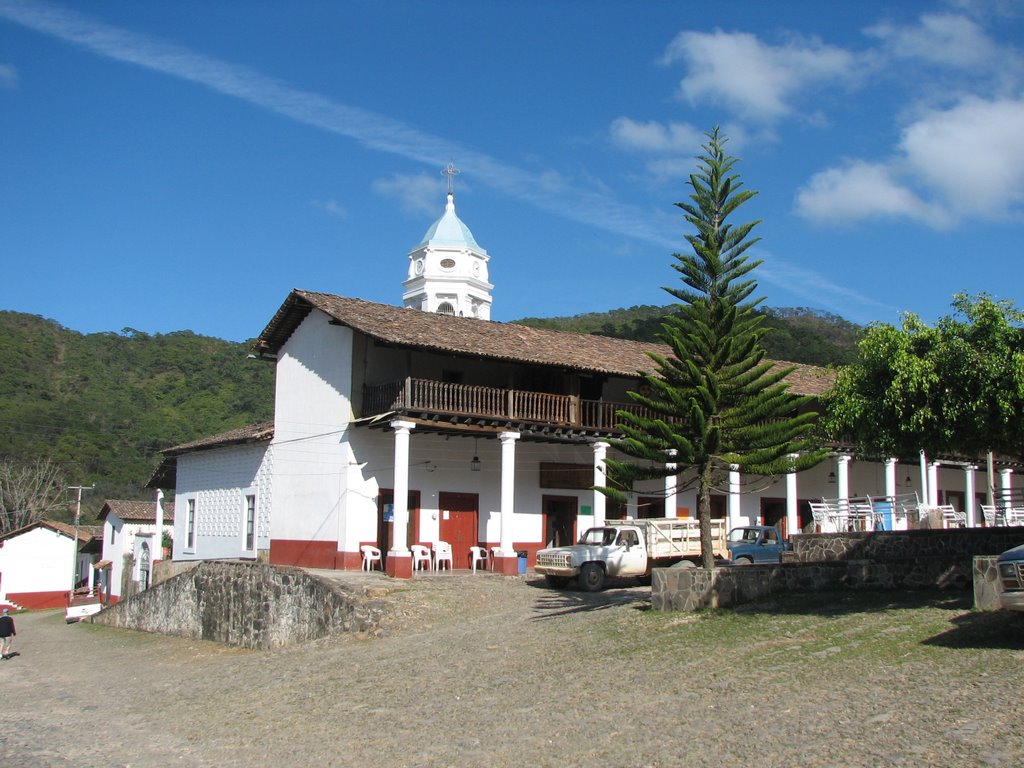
[(630, 547), (606, 551), (1011, 579), (756, 544)]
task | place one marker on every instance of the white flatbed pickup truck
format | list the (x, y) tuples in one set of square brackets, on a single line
[(628, 548)]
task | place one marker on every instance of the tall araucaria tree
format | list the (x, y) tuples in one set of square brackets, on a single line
[(715, 403)]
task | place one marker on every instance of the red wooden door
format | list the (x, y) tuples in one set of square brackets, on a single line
[(386, 528), (459, 524)]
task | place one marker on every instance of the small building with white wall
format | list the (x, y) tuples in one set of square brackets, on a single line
[(38, 564), (127, 526)]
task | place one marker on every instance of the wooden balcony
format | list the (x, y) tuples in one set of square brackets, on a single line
[(428, 398)]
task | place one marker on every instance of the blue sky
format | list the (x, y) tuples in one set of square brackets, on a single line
[(172, 166)]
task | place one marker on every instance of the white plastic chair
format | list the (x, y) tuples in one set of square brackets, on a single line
[(442, 553), (494, 557), (371, 555), (420, 557), (951, 518), (478, 555)]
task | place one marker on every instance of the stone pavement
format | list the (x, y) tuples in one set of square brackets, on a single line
[(486, 670)]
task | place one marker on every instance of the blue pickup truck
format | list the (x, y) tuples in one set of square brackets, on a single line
[(756, 544)]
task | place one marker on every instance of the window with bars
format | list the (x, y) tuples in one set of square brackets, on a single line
[(250, 521), (190, 537)]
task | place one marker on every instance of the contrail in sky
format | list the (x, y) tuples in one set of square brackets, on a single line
[(547, 192)]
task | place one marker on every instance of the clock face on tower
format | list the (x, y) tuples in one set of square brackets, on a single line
[(419, 266), (476, 267)]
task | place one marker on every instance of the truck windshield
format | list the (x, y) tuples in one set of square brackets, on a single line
[(602, 537), (743, 534)]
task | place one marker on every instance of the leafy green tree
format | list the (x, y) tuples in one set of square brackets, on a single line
[(953, 388), (102, 405), (715, 402)]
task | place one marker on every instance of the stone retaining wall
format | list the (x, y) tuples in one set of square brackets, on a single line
[(890, 546), (941, 559), (690, 589), (248, 604), (986, 584)]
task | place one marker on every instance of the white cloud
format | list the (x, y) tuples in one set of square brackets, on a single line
[(8, 76), (653, 136), (758, 80), (333, 207), (972, 156), (819, 291), (949, 40), (671, 146), (860, 190), (416, 193), (372, 130), (963, 162)]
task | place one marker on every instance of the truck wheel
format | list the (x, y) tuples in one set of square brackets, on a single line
[(592, 577), (744, 561), (556, 582)]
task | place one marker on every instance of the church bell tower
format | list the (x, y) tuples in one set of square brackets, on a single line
[(448, 269)]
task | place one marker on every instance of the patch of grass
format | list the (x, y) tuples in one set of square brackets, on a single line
[(883, 628)]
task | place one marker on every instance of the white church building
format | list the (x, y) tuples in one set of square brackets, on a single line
[(401, 426)]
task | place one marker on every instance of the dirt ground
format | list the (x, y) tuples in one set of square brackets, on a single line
[(484, 670)]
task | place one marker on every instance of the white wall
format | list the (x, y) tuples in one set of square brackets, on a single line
[(311, 418), (218, 482), (124, 542), (39, 560)]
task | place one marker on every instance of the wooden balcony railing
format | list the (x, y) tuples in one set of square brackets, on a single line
[(438, 397)]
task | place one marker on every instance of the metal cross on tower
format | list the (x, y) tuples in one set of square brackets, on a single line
[(451, 172)]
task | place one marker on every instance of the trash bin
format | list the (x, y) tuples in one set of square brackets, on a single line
[(522, 560)]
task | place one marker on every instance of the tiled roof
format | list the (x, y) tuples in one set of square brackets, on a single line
[(490, 340), (85, 532), (251, 433), (135, 511), (165, 475)]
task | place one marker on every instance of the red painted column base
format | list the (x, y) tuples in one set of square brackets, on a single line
[(507, 566), (399, 566)]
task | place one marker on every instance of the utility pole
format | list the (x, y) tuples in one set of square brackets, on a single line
[(74, 543)]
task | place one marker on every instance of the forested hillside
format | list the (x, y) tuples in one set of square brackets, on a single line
[(102, 405), (799, 335)]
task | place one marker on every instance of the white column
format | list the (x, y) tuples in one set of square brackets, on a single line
[(843, 475), (399, 539), (159, 518), (890, 477), (792, 500), (632, 502), (1006, 487), (933, 484), (891, 490), (734, 496), (924, 478), (671, 502), (600, 480), (508, 488), (970, 507)]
